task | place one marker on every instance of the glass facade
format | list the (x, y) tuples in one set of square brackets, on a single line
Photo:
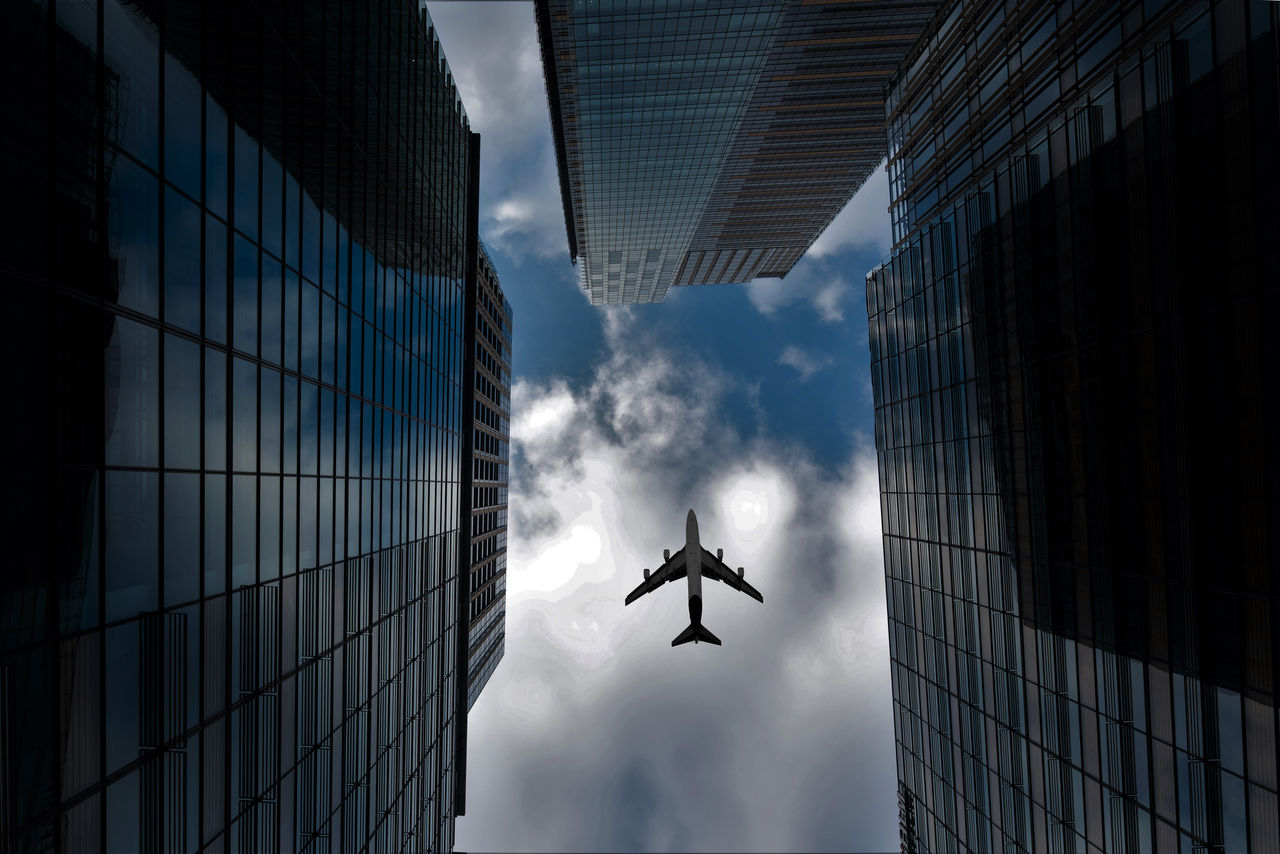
[(712, 143), (1071, 373), (490, 475), (236, 238)]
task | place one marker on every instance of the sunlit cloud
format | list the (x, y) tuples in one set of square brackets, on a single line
[(792, 709)]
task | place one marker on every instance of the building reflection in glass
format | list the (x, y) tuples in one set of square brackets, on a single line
[(1071, 371), (235, 246)]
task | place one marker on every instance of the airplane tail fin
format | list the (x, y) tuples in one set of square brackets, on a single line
[(696, 632)]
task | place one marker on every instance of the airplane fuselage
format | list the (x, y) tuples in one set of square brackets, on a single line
[(693, 567), (697, 562)]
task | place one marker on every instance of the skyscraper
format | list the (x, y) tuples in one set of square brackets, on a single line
[(490, 463), (236, 246), (1075, 391), (712, 144)]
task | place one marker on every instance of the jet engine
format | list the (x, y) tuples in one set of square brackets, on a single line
[(720, 554), (666, 555), (646, 573), (739, 572)]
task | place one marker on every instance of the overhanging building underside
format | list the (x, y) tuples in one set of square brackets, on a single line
[(713, 147)]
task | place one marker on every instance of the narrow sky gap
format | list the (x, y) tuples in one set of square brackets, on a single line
[(594, 734)]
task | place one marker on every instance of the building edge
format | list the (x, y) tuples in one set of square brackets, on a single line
[(466, 480), (542, 16)]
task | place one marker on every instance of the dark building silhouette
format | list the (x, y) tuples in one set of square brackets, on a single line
[(712, 145), (490, 475), (239, 248), (1076, 392)]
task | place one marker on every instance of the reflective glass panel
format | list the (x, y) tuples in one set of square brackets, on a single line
[(292, 306), (182, 137), (244, 415), (245, 318), (271, 313), (132, 542), (181, 537), (246, 183), (269, 527), (215, 280), (292, 220), (289, 525), (308, 425), (181, 403), (244, 530), (133, 56), (269, 420), (215, 534), (215, 157), (122, 654), (182, 223), (310, 239), (272, 205), (133, 236), (307, 523), (310, 331), (215, 409), (132, 379), (289, 449)]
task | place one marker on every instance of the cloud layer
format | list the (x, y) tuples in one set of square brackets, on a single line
[(817, 279), (594, 733), (506, 101)]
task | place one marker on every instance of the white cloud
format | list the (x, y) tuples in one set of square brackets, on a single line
[(594, 734), (809, 281), (806, 364), (829, 299), (493, 53), (863, 223)]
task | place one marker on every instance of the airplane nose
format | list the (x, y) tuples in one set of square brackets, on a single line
[(691, 517)]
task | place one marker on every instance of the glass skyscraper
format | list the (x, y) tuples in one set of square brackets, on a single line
[(712, 143), (237, 240), (490, 476), (1075, 391)]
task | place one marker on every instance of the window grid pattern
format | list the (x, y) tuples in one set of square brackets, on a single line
[(250, 255), (650, 99), (487, 596), (712, 145), (1071, 666)]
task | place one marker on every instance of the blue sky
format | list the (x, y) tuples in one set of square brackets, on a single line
[(803, 351), (749, 403)]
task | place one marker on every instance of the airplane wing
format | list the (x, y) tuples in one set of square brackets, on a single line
[(672, 570), (713, 567)]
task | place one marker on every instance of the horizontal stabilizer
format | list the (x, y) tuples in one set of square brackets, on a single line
[(696, 632)]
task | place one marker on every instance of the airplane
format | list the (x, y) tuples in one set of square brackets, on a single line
[(696, 563)]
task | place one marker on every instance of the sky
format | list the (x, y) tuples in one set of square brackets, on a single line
[(750, 404)]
